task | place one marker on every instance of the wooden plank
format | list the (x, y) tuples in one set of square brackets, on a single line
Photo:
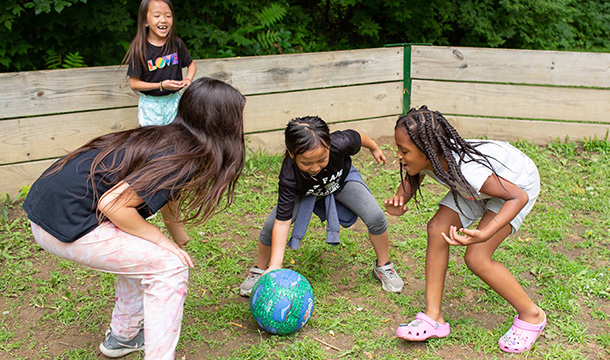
[(44, 137), (273, 111), (277, 73), (13, 177), (538, 132), (519, 101), (511, 66), (273, 141), (60, 91)]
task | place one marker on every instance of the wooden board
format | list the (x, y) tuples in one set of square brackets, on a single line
[(60, 91), (511, 66), (278, 73), (538, 132), (35, 138), (71, 90), (13, 177), (55, 135), (273, 141), (273, 111), (519, 101)]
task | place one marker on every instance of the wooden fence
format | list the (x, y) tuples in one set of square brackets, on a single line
[(503, 94), (45, 114)]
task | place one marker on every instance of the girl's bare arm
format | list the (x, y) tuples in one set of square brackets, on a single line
[(122, 212)]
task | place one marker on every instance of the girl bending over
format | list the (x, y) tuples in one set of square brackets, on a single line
[(317, 176), (487, 180), (90, 207)]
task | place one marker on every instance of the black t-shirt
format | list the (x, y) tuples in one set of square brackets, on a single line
[(62, 204), (161, 65), (293, 182)]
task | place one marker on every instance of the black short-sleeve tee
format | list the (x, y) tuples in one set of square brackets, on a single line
[(161, 64), (293, 182), (63, 205)]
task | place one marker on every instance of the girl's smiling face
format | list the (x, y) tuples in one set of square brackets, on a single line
[(312, 161), (412, 160), (159, 20)]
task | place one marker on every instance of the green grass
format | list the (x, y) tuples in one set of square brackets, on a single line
[(53, 309)]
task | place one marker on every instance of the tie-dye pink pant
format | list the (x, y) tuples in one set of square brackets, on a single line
[(151, 283)]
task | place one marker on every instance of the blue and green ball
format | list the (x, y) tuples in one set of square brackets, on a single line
[(282, 301)]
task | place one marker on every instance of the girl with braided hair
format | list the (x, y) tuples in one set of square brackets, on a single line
[(487, 180)]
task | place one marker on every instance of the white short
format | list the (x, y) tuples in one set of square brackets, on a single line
[(470, 211)]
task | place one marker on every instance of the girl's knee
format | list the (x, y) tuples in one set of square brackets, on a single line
[(476, 262), (377, 224), (436, 226)]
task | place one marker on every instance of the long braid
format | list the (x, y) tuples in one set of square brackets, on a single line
[(434, 136)]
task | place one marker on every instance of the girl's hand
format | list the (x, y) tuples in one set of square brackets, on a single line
[(174, 248), (181, 241), (378, 155), (186, 82), (271, 268), (471, 236), (395, 205), (172, 84)]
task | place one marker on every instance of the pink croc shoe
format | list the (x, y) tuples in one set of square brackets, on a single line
[(521, 336), (422, 328)]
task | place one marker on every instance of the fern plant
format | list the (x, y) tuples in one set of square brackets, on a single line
[(53, 60), (261, 38)]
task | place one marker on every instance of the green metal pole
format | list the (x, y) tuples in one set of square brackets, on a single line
[(406, 79)]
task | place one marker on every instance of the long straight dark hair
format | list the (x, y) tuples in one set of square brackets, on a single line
[(136, 55), (205, 143)]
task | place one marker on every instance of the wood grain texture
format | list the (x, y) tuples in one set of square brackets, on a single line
[(519, 101), (538, 132), (511, 66), (72, 90), (273, 111), (279, 73), (13, 177), (60, 91), (273, 141), (55, 135), (35, 138)]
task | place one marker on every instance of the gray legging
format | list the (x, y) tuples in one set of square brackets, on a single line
[(355, 196)]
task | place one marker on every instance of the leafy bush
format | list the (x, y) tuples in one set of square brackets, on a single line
[(100, 31)]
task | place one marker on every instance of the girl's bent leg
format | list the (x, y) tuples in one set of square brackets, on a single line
[(128, 312), (437, 258), (356, 197), (479, 260), (156, 277)]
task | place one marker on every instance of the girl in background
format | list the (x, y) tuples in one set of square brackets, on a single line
[(156, 57), (90, 207), (488, 180), (317, 176)]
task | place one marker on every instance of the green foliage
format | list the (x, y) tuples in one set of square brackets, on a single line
[(54, 60), (101, 31), (595, 144)]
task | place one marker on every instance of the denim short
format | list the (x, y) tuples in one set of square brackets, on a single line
[(158, 110)]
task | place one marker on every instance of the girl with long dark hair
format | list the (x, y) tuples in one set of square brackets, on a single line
[(90, 207)]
